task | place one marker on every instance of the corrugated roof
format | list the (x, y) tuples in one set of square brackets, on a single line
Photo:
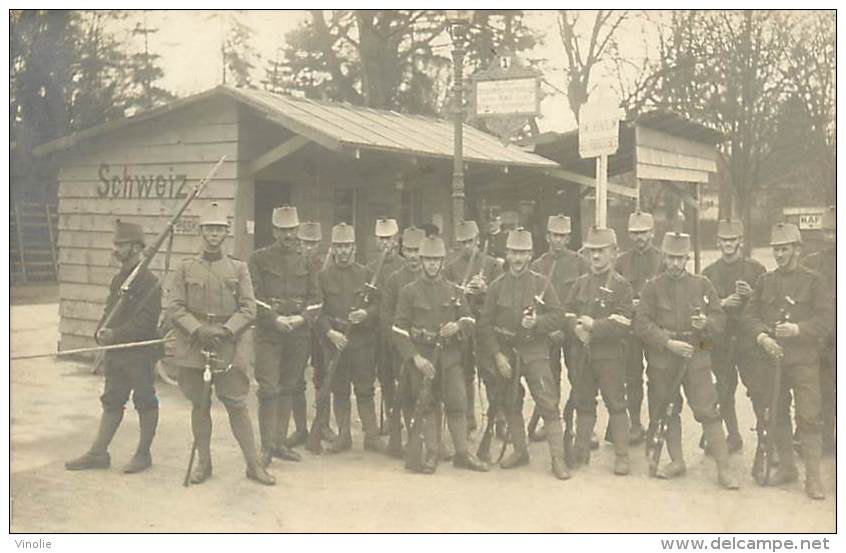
[(338, 126)]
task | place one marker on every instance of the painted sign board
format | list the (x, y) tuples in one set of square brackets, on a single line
[(599, 128)]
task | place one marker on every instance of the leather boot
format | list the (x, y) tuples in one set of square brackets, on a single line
[(431, 443), (636, 431), (559, 468), (326, 432), (201, 428), (466, 460), (268, 423), (471, 425), (300, 434), (457, 425), (676, 467), (97, 457), (517, 436), (343, 413), (719, 449), (585, 423), (242, 429), (784, 449), (281, 449), (142, 460), (535, 434), (619, 425), (733, 439), (811, 453), (367, 412), (394, 447)]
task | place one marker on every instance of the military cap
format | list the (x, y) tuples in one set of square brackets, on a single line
[(385, 228), (640, 221), (676, 243), (128, 232), (829, 219), (343, 233), (432, 247), (600, 238), (466, 230), (214, 214), (785, 233), (519, 239), (311, 231), (559, 224), (730, 228), (412, 236), (285, 217)]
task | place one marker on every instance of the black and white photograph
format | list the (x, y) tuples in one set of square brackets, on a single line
[(568, 272)]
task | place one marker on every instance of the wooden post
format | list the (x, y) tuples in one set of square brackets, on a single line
[(52, 240), (696, 247), (19, 233), (601, 191)]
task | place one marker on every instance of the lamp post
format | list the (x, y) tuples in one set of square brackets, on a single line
[(458, 21)]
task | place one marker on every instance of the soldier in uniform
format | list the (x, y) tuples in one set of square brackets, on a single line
[(410, 271), (495, 238), (473, 270), (432, 315), (348, 328), (129, 370), (569, 266), (310, 235), (637, 265), (521, 308), (825, 263), (678, 318), (386, 232), (211, 305), (732, 276), (282, 278), (601, 304), (788, 314)]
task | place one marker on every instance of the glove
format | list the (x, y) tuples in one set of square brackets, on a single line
[(682, 349), (205, 334), (770, 346), (424, 366)]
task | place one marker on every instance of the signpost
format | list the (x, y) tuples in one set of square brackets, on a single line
[(599, 137)]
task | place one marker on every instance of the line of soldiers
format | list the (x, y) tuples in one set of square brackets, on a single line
[(425, 324)]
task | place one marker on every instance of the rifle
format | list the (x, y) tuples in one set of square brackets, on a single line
[(414, 454), (570, 408), (314, 434), (150, 251), (656, 436), (535, 418), (765, 452), (207, 382)]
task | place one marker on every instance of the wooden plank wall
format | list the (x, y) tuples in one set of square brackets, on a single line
[(661, 156), (139, 174)]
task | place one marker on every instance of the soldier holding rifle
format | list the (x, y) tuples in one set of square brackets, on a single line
[(601, 303), (211, 304), (788, 313), (433, 314), (520, 310), (678, 316), (733, 276), (348, 329), (130, 370), (282, 278)]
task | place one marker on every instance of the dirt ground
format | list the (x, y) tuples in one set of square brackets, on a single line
[(54, 413)]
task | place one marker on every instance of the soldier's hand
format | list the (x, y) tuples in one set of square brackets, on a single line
[(682, 349), (449, 329), (282, 324), (769, 345), (586, 322), (698, 321), (337, 338), (529, 321), (424, 366), (581, 333), (205, 334), (786, 330), (357, 316), (742, 288), (732, 301), (105, 336), (502, 365), (557, 337)]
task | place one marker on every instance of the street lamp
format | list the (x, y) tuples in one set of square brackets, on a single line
[(459, 21)]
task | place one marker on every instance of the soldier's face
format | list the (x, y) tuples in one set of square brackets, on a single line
[(412, 257), (675, 264), (122, 251), (285, 236), (343, 253), (601, 258), (466, 246), (518, 260), (785, 254), (309, 246), (213, 236), (495, 224), (641, 238), (432, 266), (728, 246), (557, 242), (386, 243)]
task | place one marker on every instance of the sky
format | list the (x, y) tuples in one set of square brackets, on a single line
[(189, 42)]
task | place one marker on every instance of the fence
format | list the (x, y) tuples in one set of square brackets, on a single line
[(33, 233)]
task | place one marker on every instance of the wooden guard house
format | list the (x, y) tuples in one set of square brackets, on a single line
[(335, 162)]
